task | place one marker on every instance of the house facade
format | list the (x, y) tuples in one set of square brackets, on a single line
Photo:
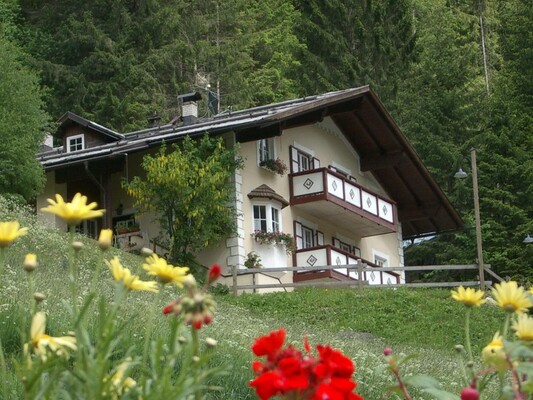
[(333, 171)]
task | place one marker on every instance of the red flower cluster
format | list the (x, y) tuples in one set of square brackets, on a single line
[(196, 305), (288, 371)]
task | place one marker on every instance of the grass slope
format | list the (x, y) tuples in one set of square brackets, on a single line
[(360, 323)]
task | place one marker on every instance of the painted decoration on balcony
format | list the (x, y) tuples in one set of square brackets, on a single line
[(352, 194), (308, 184), (335, 186), (370, 203), (385, 210)]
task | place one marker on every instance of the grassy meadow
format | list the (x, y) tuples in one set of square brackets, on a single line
[(423, 322)]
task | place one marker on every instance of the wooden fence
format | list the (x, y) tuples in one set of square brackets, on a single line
[(358, 283)]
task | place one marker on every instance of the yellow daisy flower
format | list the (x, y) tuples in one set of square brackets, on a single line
[(493, 354), (166, 273), (120, 383), (523, 327), (105, 239), (74, 212), (42, 343), (9, 231), (131, 282), (511, 297), (469, 297)]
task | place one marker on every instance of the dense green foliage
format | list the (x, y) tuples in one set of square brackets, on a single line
[(190, 190), (22, 116), (455, 74)]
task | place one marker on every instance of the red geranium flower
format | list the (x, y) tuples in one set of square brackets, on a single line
[(268, 345), (288, 371), (214, 273)]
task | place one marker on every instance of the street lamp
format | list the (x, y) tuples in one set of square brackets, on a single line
[(528, 239), (462, 174)]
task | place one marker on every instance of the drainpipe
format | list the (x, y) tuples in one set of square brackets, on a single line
[(102, 189)]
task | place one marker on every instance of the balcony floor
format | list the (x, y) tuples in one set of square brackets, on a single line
[(343, 218)]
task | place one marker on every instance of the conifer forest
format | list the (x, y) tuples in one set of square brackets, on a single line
[(454, 74)]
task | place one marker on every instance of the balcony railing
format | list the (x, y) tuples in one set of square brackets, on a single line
[(327, 186), (330, 255)]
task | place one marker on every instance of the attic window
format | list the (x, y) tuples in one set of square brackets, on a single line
[(75, 143)]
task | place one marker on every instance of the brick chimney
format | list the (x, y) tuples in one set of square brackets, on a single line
[(189, 107)]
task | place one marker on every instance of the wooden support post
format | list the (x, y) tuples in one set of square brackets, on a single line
[(359, 274)]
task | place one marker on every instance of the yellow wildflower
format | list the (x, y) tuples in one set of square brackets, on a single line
[(120, 383), (523, 327), (131, 282), (74, 212), (30, 262), (493, 354), (9, 231), (469, 297), (511, 297), (41, 343), (166, 273), (105, 238)]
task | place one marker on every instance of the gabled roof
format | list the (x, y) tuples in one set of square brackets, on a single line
[(70, 117), (423, 208)]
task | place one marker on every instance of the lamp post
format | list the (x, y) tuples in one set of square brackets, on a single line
[(461, 174), (528, 239)]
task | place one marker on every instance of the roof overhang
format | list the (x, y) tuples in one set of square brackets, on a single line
[(423, 208)]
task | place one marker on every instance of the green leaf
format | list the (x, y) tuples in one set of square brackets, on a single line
[(422, 382)]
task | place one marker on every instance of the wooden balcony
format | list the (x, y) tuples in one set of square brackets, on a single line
[(331, 196), (330, 255)]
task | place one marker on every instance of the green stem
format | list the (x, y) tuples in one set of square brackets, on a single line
[(2, 260), (506, 325), (3, 372), (72, 275), (149, 323), (467, 335), (195, 355)]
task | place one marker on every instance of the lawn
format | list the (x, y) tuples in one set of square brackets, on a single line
[(423, 322)]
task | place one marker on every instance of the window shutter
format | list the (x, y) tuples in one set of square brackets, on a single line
[(298, 235), (316, 163), (295, 165)]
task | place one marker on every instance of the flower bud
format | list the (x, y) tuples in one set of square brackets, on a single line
[(182, 340), (189, 281), (459, 348), (38, 297), (210, 342), (214, 273), (387, 351), (105, 238), (77, 246), (146, 252), (30, 262), (469, 393)]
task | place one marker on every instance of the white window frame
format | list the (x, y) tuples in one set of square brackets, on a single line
[(75, 138), (266, 153), (271, 224), (380, 258)]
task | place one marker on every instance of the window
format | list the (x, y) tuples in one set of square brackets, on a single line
[(265, 150), (267, 217), (302, 161), (275, 220), (306, 236), (380, 261), (75, 143), (346, 246)]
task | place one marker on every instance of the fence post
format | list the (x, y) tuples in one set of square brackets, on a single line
[(234, 273), (359, 274)]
